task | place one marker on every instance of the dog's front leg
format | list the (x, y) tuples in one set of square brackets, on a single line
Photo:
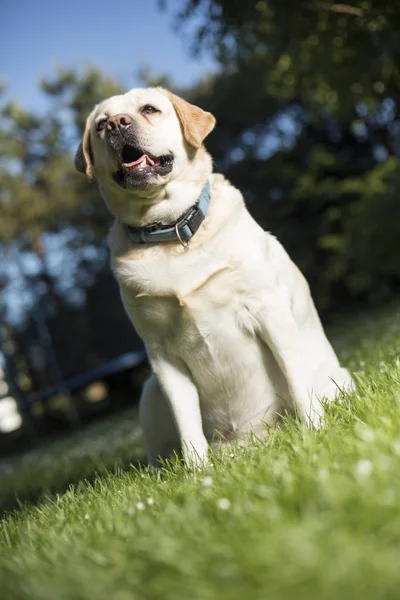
[(183, 399), (278, 329)]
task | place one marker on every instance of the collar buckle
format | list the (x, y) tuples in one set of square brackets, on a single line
[(186, 227), (184, 242)]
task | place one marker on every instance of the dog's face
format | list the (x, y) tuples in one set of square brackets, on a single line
[(140, 141)]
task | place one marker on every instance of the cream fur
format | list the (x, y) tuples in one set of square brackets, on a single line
[(230, 327)]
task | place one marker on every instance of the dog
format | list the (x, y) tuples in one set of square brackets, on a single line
[(231, 331)]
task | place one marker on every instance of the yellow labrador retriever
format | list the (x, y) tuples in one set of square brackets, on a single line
[(229, 325)]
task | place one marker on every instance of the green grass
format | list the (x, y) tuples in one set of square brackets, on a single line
[(305, 514), (106, 446)]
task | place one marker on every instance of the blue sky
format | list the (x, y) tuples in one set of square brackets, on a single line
[(36, 36)]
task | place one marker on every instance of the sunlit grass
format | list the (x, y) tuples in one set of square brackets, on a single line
[(305, 514)]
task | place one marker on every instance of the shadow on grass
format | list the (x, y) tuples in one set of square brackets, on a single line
[(18, 498), (110, 446)]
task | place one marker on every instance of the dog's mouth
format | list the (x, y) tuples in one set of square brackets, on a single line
[(133, 158), (137, 164)]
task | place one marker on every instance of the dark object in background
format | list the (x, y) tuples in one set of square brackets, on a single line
[(89, 395), (70, 364)]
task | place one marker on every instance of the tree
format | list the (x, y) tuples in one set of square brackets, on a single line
[(52, 232), (329, 54), (308, 116), (40, 189)]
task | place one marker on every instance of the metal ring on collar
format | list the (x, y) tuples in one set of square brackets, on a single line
[(185, 243)]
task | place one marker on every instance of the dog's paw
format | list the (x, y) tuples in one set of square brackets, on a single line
[(332, 384), (195, 454)]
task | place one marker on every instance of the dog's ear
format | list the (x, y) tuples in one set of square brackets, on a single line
[(83, 158), (196, 122)]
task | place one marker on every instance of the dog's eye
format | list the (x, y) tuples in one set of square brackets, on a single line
[(101, 124), (148, 109)]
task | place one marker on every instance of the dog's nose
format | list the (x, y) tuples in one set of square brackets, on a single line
[(120, 121)]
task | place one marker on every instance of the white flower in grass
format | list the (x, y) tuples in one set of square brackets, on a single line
[(150, 501), (223, 503), (139, 506), (207, 481), (263, 491), (367, 436), (364, 468), (86, 517), (397, 362), (323, 474)]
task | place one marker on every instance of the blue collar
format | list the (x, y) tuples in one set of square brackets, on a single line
[(182, 230)]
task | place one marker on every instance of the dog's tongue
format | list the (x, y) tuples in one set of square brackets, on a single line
[(141, 162)]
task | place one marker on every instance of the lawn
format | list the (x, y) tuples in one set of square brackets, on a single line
[(305, 514)]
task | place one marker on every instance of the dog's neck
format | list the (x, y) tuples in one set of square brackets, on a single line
[(173, 199)]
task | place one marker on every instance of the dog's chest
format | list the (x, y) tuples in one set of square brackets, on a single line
[(178, 295)]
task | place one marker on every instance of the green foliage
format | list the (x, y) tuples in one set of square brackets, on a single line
[(308, 114), (329, 54), (40, 189), (302, 514), (79, 93)]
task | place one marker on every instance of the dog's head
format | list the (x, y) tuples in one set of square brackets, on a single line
[(141, 140)]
